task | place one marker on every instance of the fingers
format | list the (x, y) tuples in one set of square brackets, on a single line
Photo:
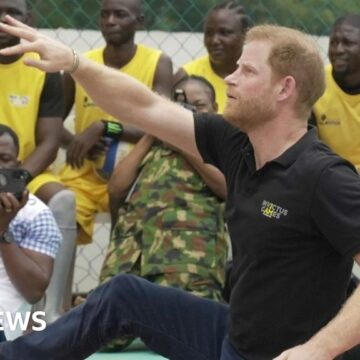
[(9, 203), (39, 64), (12, 21), (73, 156), (25, 33), (19, 49)]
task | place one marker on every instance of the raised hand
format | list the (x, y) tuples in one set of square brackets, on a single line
[(54, 55)]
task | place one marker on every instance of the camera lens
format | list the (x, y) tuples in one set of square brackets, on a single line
[(3, 180)]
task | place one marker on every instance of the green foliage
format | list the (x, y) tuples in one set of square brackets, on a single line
[(314, 16)]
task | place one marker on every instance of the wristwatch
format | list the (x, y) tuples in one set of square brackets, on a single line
[(6, 238)]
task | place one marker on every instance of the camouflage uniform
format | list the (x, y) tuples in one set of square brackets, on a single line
[(171, 230)]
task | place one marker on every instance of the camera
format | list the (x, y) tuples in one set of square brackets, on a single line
[(180, 98), (13, 181)]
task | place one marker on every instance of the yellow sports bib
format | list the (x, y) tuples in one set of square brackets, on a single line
[(338, 120)]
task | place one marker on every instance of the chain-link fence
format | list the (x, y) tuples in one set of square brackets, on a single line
[(314, 16), (173, 26)]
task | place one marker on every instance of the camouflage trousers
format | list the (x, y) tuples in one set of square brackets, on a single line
[(192, 283)]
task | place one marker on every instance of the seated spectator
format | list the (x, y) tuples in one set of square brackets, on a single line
[(29, 241), (170, 228), (337, 112), (119, 21), (224, 30), (32, 104)]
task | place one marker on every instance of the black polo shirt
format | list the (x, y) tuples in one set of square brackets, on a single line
[(294, 225)]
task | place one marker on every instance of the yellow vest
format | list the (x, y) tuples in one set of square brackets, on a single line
[(202, 67), (338, 120), (20, 93), (141, 67)]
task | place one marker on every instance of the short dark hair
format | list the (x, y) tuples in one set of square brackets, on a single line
[(204, 82), (351, 19), (238, 9), (6, 130)]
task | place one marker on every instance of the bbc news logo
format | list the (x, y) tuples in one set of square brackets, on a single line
[(22, 320)]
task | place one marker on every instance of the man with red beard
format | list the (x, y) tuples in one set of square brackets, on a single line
[(294, 230)]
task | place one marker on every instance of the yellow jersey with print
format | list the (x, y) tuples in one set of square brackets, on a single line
[(202, 67), (21, 89), (141, 67), (338, 120)]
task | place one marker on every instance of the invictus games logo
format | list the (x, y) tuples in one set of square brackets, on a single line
[(271, 210)]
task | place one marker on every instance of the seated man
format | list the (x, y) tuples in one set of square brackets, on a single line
[(170, 229), (119, 21), (29, 241), (337, 112)]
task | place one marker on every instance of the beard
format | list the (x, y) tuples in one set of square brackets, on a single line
[(249, 114)]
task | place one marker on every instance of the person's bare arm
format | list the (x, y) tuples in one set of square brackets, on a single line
[(180, 74), (48, 135), (125, 174), (339, 335), (138, 106), (69, 98), (163, 76), (29, 271), (48, 125)]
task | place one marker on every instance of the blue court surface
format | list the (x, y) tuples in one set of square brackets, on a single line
[(128, 355)]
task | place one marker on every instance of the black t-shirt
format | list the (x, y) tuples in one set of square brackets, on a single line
[(294, 226)]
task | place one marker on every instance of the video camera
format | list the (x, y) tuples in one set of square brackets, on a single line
[(180, 98), (13, 181)]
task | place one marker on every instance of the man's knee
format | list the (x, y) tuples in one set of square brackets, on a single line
[(126, 283), (125, 287), (63, 204)]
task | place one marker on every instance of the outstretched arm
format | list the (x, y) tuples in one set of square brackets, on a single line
[(115, 92)]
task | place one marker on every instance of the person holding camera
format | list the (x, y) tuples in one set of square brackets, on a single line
[(32, 104), (169, 214), (29, 237)]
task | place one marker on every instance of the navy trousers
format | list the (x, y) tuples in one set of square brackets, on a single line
[(171, 322), (2, 336)]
